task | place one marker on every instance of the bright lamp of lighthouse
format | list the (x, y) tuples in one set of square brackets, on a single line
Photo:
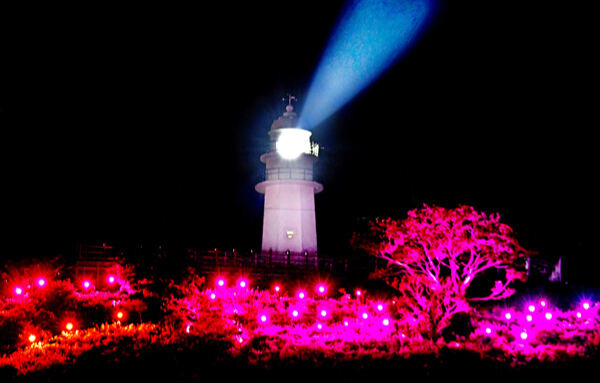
[(292, 142)]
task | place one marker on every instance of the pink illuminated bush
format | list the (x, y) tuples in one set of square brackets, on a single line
[(435, 254)]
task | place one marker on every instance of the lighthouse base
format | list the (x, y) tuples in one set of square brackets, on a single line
[(289, 222)]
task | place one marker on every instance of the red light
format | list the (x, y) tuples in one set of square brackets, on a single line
[(301, 294), (220, 282), (120, 315), (507, 316), (263, 318), (18, 290), (529, 318), (213, 296), (358, 293), (365, 315), (86, 284), (41, 282), (243, 283), (321, 288), (319, 326), (31, 338), (345, 323), (295, 313), (488, 330), (548, 316), (111, 279), (380, 307), (69, 326), (531, 308), (277, 288), (386, 322), (586, 305), (523, 335), (323, 313)]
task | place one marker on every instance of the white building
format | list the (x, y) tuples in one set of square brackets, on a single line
[(289, 222)]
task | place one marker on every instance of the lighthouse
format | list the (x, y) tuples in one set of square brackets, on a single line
[(289, 221)]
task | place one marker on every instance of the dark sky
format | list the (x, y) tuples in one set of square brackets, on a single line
[(146, 123)]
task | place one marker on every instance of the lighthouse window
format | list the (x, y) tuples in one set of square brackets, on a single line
[(290, 234)]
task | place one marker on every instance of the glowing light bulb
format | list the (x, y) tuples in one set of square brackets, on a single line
[(277, 288), (295, 313), (321, 289), (41, 282), (220, 282), (120, 315), (187, 329), (380, 307), (578, 315), (263, 318), (543, 303), (523, 335), (488, 330), (69, 326), (111, 279), (365, 315), (86, 284), (213, 296), (529, 318), (323, 313), (358, 293), (301, 295), (242, 283), (531, 308), (345, 323), (548, 316), (31, 338), (18, 290), (507, 316), (292, 142), (586, 305), (385, 322), (319, 326)]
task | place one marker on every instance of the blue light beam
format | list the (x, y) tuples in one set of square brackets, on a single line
[(370, 36)]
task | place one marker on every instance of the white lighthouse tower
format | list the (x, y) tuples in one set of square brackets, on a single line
[(289, 222)]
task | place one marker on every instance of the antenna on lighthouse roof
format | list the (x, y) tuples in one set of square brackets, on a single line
[(289, 106)]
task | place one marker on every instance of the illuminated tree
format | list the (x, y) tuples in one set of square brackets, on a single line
[(433, 256)]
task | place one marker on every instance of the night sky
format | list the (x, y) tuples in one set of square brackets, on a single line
[(146, 123)]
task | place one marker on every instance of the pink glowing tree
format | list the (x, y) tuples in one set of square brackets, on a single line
[(435, 254)]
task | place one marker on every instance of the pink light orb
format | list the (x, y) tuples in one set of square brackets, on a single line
[(110, 279), (385, 322), (488, 330), (220, 282), (321, 288), (69, 326), (507, 316), (41, 282), (295, 313), (120, 315), (523, 335), (586, 305), (243, 283), (548, 316), (213, 296), (18, 290), (380, 307), (277, 288), (241, 340), (86, 284), (365, 315), (531, 308), (301, 294), (543, 303), (358, 292), (187, 329), (529, 318), (578, 315), (345, 323), (31, 338), (323, 313), (319, 326), (263, 318)]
